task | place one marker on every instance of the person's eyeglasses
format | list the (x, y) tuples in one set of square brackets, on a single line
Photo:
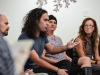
[(89, 26)]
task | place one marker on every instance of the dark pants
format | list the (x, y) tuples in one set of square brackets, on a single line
[(42, 70), (95, 69), (64, 64), (75, 69)]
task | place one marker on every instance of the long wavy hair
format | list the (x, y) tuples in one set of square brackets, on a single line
[(94, 37), (30, 22)]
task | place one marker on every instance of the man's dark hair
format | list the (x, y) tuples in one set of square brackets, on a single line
[(30, 22)]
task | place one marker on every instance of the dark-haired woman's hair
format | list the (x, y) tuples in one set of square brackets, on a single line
[(30, 22)]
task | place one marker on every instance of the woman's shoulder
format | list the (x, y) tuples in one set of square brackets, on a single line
[(78, 39)]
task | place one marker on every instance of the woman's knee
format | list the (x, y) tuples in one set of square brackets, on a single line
[(84, 61)]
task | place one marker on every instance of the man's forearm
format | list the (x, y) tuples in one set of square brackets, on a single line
[(58, 49), (49, 60), (47, 65)]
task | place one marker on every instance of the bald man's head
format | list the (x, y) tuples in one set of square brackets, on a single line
[(0, 17), (4, 28)]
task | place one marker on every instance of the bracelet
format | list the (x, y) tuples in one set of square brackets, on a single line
[(96, 62), (57, 70)]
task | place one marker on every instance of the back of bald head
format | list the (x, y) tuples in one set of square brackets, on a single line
[(1, 17)]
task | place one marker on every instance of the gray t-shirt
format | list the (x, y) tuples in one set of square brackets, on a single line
[(55, 42), (38, 46)]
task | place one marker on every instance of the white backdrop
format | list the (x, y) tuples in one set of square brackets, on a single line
[(69, 19)]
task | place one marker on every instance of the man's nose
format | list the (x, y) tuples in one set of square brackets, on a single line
[(47, 24)]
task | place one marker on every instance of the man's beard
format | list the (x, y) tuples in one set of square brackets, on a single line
[(5, 34)]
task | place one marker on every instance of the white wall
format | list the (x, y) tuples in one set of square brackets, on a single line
[(69, 19)]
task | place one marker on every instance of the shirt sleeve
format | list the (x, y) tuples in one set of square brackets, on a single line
[(23, 37), (46, 40)]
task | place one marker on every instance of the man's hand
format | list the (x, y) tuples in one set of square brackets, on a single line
[(71, 44), (68, 58), (28, 71), (62, 72)]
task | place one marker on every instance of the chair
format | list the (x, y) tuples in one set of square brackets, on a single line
[(74, 69)]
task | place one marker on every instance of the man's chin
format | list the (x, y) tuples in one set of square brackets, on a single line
[(43, 30)]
